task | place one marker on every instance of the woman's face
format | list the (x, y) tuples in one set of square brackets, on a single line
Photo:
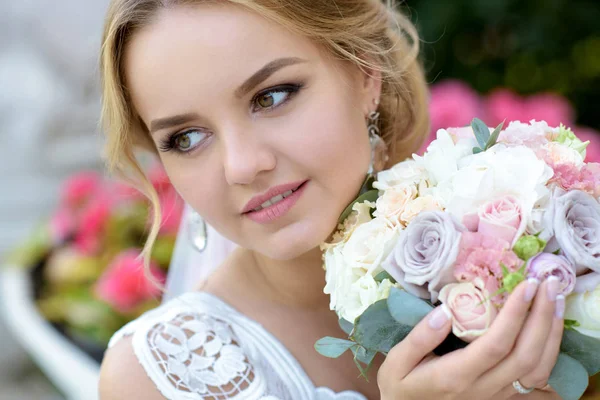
[(243, 111)]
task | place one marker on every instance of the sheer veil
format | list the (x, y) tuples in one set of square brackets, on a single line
[(199, 249)]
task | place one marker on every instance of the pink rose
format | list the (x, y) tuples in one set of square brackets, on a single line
[(481, 256), (79, 188), (123, 284), (500, 218), (472, 311)]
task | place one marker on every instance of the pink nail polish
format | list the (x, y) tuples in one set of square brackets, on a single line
[(439, 317), (560, 306), (531, 289)]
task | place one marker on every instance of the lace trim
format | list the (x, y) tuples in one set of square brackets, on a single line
[(200, 354)]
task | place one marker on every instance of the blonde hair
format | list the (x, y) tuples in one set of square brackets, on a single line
[(368, 33)]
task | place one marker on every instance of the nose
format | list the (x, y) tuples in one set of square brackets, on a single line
[(245, 157)]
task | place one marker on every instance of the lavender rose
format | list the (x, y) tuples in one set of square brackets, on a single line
[(587, 283), (423, 259), (545, 265), (574, 220)]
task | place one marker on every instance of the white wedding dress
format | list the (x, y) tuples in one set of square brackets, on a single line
[(195, 346)]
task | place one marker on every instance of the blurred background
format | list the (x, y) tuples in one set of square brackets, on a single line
[(494, 59)]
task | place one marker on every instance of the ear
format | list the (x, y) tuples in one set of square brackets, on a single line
[(370, 88)]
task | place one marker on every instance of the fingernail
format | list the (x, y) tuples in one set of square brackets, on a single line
[(439, 317), (531, 289), (552, 287), (560, 306)]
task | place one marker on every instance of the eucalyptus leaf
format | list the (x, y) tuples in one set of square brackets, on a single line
[(333, 347), (371, 195), (583, 348), (382, 276), (477, 150), (406, 308), (494, 136), (377, 330), (482, 132), (363, 355), (569, 378), (346, 326)]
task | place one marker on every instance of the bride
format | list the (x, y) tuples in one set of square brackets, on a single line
[(267, 116)]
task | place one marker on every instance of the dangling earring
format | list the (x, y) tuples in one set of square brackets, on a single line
[(196, 230), (379, 156)]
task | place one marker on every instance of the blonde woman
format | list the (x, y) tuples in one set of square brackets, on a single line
[(267, 116)]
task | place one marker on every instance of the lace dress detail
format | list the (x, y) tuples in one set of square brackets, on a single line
[(197, 347)]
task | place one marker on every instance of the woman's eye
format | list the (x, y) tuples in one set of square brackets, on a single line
[(274, 97), (183, 142)]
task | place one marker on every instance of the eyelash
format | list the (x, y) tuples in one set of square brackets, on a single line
[(291, 89)]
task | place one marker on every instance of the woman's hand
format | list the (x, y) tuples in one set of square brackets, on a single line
[(519, 345)]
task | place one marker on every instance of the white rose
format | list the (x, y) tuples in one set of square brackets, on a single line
[(339, 278), (392, 203), (496, 172), (442, 156), (585, 309), (370, 244), (405, 173), (364, 292)]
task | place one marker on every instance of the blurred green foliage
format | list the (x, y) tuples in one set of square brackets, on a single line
[(530, 46)]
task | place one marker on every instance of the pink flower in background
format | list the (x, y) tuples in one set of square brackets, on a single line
[(453, 104), (593, 149), (124, 285), (171, 207), (549, 107), (159, 178), (481, 256), (504, 104), (62, 225), (92, 223), (79, 188)]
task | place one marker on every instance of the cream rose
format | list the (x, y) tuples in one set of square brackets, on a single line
[(339, 278), (404, 173), (419, 205), (585, 309), (370, 244), (393, 202), (472, 311)]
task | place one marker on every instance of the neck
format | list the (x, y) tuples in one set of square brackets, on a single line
[(297, 283)]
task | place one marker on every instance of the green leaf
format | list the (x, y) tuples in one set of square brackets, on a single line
[(494, 136), (569, 378), (482, 132), (371, 195), (382, 276), (583, 348), (362, 355), (406, 308), (377, 330), (571, 324), (333, 347), (477, 150), (346, 326)]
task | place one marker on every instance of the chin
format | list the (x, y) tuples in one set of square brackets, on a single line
[(293, 241)]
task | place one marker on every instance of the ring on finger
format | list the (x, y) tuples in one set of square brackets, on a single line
[(521, 389)]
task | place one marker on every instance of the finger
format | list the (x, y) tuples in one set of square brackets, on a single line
[(420, 342), (497, 342), (530, 345), (539, 377)]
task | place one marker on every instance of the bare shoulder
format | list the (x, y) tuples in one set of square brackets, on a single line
[(123, 377)]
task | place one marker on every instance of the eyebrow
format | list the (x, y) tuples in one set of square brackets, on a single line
[(256, 79)]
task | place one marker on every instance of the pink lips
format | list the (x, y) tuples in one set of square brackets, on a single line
[(277, 210)]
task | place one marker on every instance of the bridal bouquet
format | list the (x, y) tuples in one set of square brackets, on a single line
[(482, 210)]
